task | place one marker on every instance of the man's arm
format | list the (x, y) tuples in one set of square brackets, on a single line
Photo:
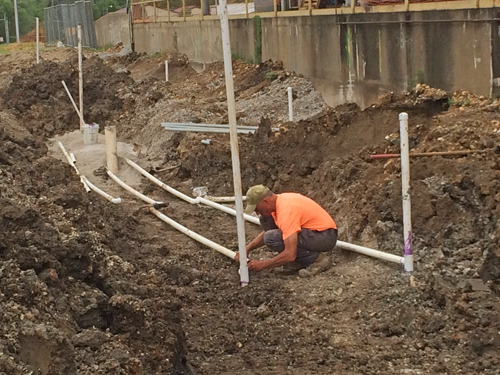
[(256, 243), (286, 256)]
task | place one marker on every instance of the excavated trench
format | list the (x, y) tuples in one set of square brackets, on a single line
[(87, 287)]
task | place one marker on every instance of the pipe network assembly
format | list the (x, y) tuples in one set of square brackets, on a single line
[(221, 249), (186, 198), (252, 219)]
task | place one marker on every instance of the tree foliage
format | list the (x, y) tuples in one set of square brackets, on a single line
[(28, 10)]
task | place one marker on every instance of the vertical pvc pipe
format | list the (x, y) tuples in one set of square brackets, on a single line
[(16, 18), (235, 157), (290, 104), (37, 40), (111, 148), (80, 73), (166, 70), (405, 182)]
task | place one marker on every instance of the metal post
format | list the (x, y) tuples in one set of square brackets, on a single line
[(407, 5), (246, 8), (235, 157), (37, 40), (16, 16), (405, 183), (353, 6), (201, 7), (7, 35), (184, 9), (275, 5), (80, 73), (154, 8), (168, 9), (310, 7)]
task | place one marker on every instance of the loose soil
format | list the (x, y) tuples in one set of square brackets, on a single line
[(88, 287)]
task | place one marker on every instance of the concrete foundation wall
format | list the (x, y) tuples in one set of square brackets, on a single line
[(353, 58), (112, 29)]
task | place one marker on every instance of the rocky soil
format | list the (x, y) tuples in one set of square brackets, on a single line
[(87, 287)]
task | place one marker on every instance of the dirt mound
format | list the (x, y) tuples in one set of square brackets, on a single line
[(41, 101)]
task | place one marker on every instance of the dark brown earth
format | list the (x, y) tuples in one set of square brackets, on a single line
[(91, 288)]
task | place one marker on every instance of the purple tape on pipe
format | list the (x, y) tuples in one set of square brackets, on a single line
[(407, 247)]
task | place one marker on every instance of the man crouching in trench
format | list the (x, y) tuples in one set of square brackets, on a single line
[(295, 226)]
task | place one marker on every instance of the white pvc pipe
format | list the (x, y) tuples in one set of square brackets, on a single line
[(130, 190), (226, 209), (190, 233), (166, 70), (223, 199), (37, 40), (70, 162), (80, 74), (111, 148), (233, 135), (290, 104), (73, 157), (101, 192), (370, 252), (188, 199), (178, 194), (405, 183), (73, 102), (193, 235)]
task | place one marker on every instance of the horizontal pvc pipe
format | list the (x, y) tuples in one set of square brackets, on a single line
[(343, 245), (188, 199), (130, 190), (70, 162), (159, 183), (205, 130), (215, 126), (186, 231), (101, 192), (226, 209), (193, 235), (223, 199), (370, 252)]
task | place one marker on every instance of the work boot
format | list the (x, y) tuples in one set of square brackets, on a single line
[(322, 263), (289, 268)]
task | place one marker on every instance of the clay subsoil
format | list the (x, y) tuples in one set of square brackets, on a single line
[(88, 287)]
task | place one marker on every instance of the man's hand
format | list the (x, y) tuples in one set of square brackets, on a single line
[(257, 265), (237, 256)]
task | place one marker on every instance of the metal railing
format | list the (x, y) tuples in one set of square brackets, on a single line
[(145, 11), (61, 23)]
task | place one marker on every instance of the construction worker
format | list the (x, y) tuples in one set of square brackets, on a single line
[(295, 226)]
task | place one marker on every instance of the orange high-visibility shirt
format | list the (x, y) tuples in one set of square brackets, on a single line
[(295, 211)]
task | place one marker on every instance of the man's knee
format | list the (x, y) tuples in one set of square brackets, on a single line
[(274, 239)]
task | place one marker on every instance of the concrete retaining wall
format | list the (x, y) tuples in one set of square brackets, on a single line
[(112, 29), (353, 58)]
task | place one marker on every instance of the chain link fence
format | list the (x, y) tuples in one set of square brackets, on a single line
[(61, 23)]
